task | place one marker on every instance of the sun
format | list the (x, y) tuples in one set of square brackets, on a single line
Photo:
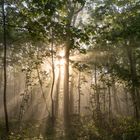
[(59, 62), (62, 62), (60, 58), (61, 53)]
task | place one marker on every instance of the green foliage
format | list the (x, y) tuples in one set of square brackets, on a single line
[(127, 128), (81, 66), (90, 131), (113, 27)]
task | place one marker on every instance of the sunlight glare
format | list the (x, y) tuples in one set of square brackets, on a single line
[(61, 53), (62, 62)]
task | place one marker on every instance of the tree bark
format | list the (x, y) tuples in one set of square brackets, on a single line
[(41, 87), (53, 79), (57, 92), (109, 102), (66, 87), (115, 98), (134, 94), (5, 68), (68, 46), (126, 101), (104, 97), (71, 95), (97, 96), (79, 93)]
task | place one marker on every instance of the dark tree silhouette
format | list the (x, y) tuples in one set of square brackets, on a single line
[(4, 66)]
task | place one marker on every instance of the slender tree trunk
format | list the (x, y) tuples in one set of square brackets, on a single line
[(115, 98), (40, 83), (132, 62), (41, 86), (97, 93), (104, 97), (57, 93), (66, 88), (50, 127), (126, 101), (24, 101), (109, 103), (53, 79), (79, 93), (5, 69), (138, 99), (92, 96), (71, 95), (14, 90)]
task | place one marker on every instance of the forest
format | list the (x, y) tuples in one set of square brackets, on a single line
[(69, 69)]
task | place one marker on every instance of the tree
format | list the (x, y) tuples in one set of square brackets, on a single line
[(5, 66), (114, 25)]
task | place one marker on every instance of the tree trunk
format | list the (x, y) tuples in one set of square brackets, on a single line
[(68, 45), (79, 93), (71, 95), (104, 97), (57, 93), (66, 88), (97, 93), (5, 70), (126, 101), (53, 79), (115, 98), (134, 94), (41, 87), (109, 102)]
